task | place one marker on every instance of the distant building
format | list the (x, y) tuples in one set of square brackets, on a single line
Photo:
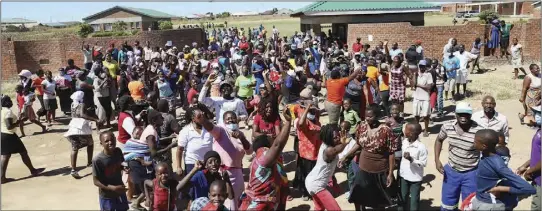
[(62, 24), (341, 14), (247, 13), (18, 22), (136, 18), (268, 12), (284, 11), (523, 8)]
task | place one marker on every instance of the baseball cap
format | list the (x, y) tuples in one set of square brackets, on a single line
[(422, 62), (463, 108)]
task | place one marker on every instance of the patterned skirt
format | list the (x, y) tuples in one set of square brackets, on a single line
[(533, 95), (397, 93), (80, 141)]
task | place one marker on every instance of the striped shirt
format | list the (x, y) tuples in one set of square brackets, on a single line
[(462, 154)]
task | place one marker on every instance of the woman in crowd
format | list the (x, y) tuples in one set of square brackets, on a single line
[(530, 94), (80, 132), (49, 97), (101, 85), (194, 141), (398, 83), (374, 179), (64, 90), (494, 37), (163, 87), (11, 143)]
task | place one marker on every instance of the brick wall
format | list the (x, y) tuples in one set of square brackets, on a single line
[(435, 37), (18, 55)]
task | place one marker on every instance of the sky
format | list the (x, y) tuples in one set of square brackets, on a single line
[(46, 12)]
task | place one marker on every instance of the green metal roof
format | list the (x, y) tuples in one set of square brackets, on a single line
[(145, 12), (333, 6)]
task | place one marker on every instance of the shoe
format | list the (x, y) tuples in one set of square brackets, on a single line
[(347, 194), (305, 198), (75, 174)]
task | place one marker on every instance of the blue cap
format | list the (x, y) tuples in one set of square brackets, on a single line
[(422, 62)]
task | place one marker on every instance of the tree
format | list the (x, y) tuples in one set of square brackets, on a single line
[(120, 26), (487, 16), (164, 25), (11, 28), (226, 14), (85, 30), (275, 10)]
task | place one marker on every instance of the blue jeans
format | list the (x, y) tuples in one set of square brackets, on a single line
[(440, 99), (114, 204), (456, 183)]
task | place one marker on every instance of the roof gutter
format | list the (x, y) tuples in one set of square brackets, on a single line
[(369, 12)]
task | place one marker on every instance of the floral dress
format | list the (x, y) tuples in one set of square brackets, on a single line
[(397, 84)]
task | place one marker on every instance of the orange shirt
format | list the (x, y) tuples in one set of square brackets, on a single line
[(39, 87), (136, 90), (336, 89), (309, 139)]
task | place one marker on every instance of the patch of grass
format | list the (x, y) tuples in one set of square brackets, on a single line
[(286, 25), (498, 84), (43, 34), (8, 88)]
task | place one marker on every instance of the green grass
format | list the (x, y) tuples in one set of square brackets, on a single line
[(43, 34), (8, 88)]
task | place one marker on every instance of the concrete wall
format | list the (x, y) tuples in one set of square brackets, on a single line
[(435, 37), (19, 55)]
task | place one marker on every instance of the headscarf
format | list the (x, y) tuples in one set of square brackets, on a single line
[(210, 154), (77, 98)]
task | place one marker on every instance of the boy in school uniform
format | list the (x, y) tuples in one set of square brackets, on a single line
[(107, 175), (412, 165)]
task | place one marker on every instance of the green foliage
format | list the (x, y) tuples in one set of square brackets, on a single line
[(85, 30), (487, 16), (120, 26), (11, 28), (164, 25)]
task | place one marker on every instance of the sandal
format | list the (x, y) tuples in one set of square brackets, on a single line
[(521, 118), (75, 174)]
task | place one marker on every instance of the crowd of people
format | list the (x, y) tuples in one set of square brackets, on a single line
[(194, 98)]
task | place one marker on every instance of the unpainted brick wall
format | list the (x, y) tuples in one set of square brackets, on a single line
[(435, 37), (19, 55)]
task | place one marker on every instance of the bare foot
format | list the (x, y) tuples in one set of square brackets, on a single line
[(6, 180), (36, 172)]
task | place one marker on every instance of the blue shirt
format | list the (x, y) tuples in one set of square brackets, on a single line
[(491, 169), (451, 63), (200, 186), (258, 67)]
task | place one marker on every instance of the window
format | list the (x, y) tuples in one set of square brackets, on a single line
[(137, 25), (96, 27), (44, 61), (108, 27)]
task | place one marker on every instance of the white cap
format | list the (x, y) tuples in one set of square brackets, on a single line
[(463, 108), (25, 73)]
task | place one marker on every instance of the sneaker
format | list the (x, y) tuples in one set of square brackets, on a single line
[(75, 174), (347, 194)]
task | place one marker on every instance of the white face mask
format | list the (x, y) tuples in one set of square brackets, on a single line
[(232, 126), (311, 117), (538, 119)]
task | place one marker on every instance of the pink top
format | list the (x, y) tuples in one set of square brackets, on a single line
[(149, 130), (230, 149)]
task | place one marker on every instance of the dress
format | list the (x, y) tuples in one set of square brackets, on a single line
[(534, 90), (397, 84), (80, 132), (494, 39)]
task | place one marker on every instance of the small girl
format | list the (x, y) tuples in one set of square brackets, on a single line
[(24, 102)]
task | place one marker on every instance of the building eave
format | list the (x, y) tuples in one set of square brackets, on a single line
[(365, 12), (486, 3)]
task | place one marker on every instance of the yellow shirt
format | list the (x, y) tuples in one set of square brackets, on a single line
[(372, 73), (7, 114), (384, 82), (292, 62), (112, 67)]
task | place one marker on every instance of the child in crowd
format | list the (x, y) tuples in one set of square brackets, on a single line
[(164, 189), (346, 162), (495, 181), (351, 116), (397, 125), (134, 149), (215, 202), (412, 165), (24, 102), (107, 176)]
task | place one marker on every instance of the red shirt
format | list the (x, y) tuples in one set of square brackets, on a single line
[(39, 87), (191, 93), (309, 139), (20, 101), (267, 128), (162, 196), (356, 47), (264, 184)]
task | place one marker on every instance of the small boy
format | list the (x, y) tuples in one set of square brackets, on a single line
[(495, 181), (164, 190), (107, 174), (346, 162), (412, 165), (24, 102), (351, 116), (217, 195)]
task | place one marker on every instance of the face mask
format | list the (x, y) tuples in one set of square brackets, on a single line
[(311, 117), (103, 75), (538, 119), (232, 126)]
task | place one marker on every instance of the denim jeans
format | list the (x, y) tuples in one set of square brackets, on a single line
[(410, 190), (440, 99)]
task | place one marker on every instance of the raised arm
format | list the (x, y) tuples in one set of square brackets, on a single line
[(185, 182), (202, 95), (354, 74), (278, 144), (332, 152)]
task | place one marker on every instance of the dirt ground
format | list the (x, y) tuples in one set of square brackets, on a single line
[(55, 189)]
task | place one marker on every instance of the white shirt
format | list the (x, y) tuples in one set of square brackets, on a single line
[(129, 125), (498, 123), (464, 59), (222, 105), (413, 171), (49, 91), (423, 79), (319, 176), (87, 55), (195, 144), (148, 53)]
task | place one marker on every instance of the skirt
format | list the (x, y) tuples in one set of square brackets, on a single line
[(50, 104), (11, 144), (369, 189), (531, 99), (80, 141), (65, 100)]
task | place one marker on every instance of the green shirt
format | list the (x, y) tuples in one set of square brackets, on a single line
[(352, 117), (245, 84), (505, 30)]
